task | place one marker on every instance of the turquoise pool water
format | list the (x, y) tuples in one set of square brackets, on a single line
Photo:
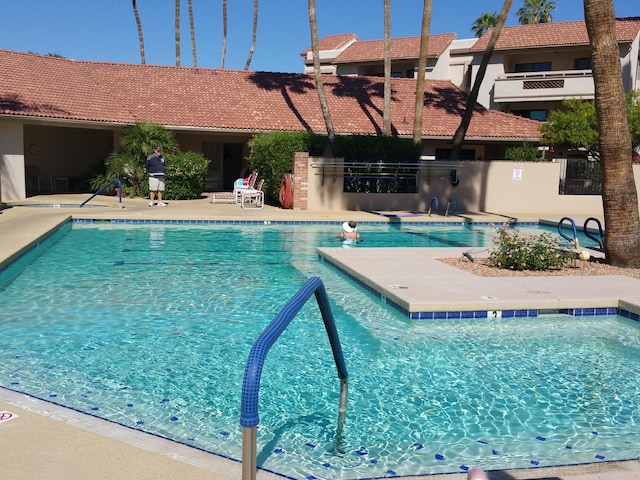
[(150, 327)]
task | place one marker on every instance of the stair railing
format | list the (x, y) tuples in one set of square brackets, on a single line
[(115, 180), (249, 417)]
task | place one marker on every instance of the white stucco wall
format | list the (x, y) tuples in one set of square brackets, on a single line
[(12, 181), (494, 69)]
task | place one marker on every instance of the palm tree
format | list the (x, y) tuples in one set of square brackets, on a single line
[(127, 162), (317, 72), (484, 22), (193, 34), (458, 138), (139, 25), (619, 195), (386, 113), (536, 11), (177, 33), (224, 31), (422, 68), (254, 33)]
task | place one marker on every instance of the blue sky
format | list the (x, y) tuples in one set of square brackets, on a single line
[(105, 30)]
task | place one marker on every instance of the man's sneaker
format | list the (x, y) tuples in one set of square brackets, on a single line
[(151, 204), (162, 204)]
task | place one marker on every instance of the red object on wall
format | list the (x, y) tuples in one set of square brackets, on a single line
[(286, 191)]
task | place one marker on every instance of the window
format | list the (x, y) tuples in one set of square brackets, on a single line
[(465, 154), (540, 115), (582, 64), (533, 67)]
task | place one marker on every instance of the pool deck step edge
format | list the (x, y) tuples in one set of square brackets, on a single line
[(414, 281)]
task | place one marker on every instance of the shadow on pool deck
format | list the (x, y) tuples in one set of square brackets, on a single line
[(47, 441)]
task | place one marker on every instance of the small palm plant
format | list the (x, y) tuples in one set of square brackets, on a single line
[(127, 163)]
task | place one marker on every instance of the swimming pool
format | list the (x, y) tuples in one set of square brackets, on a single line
[(164, 353)]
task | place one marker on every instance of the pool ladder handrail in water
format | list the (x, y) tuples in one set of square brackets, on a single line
[(115, 180), (433, 206), (585, 228), (249, 417)]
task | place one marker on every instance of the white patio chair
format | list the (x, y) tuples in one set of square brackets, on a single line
[(252, 197), (238, 188)]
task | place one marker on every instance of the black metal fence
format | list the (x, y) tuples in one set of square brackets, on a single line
[(580, 176)]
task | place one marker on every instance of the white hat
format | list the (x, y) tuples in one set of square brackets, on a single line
[(347, 228)]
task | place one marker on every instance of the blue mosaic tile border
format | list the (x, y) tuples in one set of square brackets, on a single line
[(286, 222), (589, 312), (472, 314), (524, 313), (630, 315), (259, 222)]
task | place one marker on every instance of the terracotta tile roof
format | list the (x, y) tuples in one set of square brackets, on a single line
[(333, 42), (401, 48), (229, 100), (554, 34)]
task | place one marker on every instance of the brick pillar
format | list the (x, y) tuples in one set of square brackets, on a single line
[(301, 180)]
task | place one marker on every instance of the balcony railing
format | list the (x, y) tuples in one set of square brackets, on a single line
[(543, 86)]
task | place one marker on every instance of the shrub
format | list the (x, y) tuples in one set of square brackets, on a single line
[(514, 250), (271, 154), (522, 153), (185, 175), (375, 148)]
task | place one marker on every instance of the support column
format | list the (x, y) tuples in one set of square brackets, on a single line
[(301, 180)]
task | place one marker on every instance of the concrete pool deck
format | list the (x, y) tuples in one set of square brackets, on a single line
[(46, 441)]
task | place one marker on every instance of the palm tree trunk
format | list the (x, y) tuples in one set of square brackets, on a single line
[(458, 138), (619, 194), (177, 33), (386, 113), (254, 33), (139, 25), (422, 70), (313, 24), (224, 32), (193, 34)]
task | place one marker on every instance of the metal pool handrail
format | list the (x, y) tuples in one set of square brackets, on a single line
[(573, 241), (249, 418), (591, 236), (115, 180)]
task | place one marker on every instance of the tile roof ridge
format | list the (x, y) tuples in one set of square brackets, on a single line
[(126, 64), (410, 37)]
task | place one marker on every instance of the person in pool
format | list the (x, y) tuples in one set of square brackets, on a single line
[(350, 230)]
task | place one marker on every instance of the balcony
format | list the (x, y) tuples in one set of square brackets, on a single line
[(543, 86)]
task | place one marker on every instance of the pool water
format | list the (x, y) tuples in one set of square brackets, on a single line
[(150, 327)]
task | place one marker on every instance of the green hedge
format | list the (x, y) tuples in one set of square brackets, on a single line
[(271, 153), (523, 153), (371, 148), (185, 176)]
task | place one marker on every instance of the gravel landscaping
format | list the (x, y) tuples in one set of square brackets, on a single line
[(483, 267)]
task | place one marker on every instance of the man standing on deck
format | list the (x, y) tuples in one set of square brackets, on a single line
[(155, 165)]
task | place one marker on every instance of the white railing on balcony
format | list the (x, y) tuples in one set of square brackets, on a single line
[(543, 86)]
